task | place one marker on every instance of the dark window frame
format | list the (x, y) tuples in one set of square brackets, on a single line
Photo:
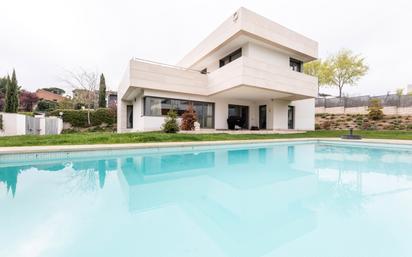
[(247, 108), (295, 63), (129, 123), (177, 99), (230, 57), (291, 125)]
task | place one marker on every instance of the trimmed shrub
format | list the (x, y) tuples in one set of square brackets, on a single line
[(78, 118), (103, 116), (375, 109), (31, 114), (46, 106), (170, 125), (188, 119), (326, 125)]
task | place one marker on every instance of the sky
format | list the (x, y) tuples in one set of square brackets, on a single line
[(44, 38)]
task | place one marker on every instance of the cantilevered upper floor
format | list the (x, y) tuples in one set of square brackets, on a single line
[(244, 27), (246, 54)]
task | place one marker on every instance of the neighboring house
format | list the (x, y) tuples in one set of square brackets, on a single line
[(81, 96), (48, 96), (249, 68), (111, 98)]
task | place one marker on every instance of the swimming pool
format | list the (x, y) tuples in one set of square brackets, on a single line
[(280, 199)]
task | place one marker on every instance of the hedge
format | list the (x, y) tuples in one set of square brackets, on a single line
[(44, 106), (78, 118)]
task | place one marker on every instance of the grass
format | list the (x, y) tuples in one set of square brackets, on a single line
[(147, 137)]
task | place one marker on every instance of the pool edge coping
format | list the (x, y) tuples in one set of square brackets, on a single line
[(97, 147)]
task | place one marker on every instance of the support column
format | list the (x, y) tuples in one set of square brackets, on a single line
[(280, 114), (121, 116), (304, 114)]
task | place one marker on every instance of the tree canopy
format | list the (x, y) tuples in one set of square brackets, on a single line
[(27, 100), (11, 104), (347, 69), (321, 70), (343, 68)]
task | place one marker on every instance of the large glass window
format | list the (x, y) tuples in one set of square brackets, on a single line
[(231, 57), (204, 113), (155, 106)]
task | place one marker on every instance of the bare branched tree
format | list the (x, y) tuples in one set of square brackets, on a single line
[(85, 83)]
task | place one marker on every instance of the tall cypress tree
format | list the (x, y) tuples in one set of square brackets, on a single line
[(12, 98), (102, 92)]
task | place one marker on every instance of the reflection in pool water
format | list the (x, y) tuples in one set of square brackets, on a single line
[(306, 199)]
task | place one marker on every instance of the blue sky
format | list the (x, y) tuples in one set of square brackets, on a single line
[(43, 38)]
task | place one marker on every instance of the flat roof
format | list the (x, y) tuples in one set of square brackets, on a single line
[(246, 22)]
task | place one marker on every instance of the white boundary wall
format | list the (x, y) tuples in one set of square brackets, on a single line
[(14, 124)]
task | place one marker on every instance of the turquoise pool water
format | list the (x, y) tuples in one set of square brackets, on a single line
[(310, 199)]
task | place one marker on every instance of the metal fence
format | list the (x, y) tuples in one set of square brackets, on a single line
[(359, 101), (52, 127), (42, 126), (32, 126)]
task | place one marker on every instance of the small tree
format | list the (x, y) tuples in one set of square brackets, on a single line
[(102, 92), (188, 118), (3, 86), (85, 83), (170, 125), (27, 100), (11, 99), (319, 69), (375, 109), (66, 104), (346, 68), (399, 91), (3, 83)]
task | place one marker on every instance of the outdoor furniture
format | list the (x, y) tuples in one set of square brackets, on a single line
[(234, 121)]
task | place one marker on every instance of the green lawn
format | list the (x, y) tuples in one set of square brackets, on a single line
[(112, 138)]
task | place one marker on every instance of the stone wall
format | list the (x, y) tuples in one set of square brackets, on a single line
[(330, 121)]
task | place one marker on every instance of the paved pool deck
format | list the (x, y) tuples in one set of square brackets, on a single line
[(95, 147)]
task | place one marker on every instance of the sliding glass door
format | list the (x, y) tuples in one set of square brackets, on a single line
[(240, 113), (204, 114)]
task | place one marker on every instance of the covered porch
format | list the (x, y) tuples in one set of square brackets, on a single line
[(262, 109)]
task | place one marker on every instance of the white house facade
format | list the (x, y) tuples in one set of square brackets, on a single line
[(249, 69)]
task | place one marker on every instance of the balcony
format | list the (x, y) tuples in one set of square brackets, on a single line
[(152, 75), (247, 71)]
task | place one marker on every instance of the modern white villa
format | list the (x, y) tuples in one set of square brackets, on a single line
[(249, 69)]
